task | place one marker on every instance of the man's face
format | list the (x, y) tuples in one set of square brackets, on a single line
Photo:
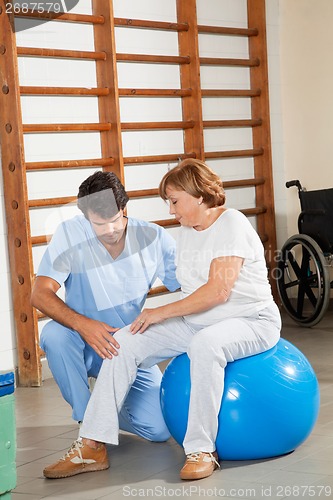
[(108, 231)]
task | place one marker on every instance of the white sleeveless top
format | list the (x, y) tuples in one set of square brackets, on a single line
[(230, 235)]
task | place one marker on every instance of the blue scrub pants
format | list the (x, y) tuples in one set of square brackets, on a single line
[(72, 361)]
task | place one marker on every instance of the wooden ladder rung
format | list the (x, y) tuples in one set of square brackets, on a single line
[(155, 92), (66, 54), (142, 193), (76, 91), (52, 202), (225, 61), (239, 183), (46, 165), (244, 183), (45, 238), (246, 211), (58, 16), (232, 123), (138, 193), (140, 23), (157, 125), (138, 160), (81, 91), (65, 127), (253, 211), (158, 290), (234, 153), (147, 58), (167, 222), (221, 30), (134, 160), (79, 54), (84, 127), (230, 93)]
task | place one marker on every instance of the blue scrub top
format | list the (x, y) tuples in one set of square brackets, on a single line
[(103, 288)]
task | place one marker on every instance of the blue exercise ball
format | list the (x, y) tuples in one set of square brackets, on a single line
[(269, 406)]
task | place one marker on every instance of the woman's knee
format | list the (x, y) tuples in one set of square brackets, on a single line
[(199, 344), (202, 349)]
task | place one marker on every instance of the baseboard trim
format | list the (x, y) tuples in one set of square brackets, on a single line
[(46, 372)]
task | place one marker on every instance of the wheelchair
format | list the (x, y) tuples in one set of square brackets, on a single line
[(303, 277)]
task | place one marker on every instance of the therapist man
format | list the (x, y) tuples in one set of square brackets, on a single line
[(107, 263)]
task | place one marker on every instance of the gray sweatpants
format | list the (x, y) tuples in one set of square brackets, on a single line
[(209, 349)]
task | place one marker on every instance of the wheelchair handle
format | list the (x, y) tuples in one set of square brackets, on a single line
[(294, 183)]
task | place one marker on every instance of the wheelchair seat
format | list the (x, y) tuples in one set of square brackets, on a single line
[(316, 218)]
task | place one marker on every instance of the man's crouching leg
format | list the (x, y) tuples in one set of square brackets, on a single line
[(141, 413)]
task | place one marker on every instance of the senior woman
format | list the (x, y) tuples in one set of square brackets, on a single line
[(226, 312)]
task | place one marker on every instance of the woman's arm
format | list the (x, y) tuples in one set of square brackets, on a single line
[(223, 273)]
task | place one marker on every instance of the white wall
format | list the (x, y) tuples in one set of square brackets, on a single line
[(307, 105), (39, 147)]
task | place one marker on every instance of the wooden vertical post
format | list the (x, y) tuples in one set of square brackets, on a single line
[(190, 78), (16, 205), (261, 135), (111, 142)]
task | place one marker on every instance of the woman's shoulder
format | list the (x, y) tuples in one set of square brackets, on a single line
[(233, 212), (230, 216), (235, 222)]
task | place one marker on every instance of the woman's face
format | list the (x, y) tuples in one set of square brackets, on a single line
[(186, 209)]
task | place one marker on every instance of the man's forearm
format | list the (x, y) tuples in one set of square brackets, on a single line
[(55, 308)]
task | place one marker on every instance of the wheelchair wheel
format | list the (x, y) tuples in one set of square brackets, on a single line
[(303, 280)]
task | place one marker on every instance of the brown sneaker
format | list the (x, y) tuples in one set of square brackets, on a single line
[(79, 458), (199, 465)]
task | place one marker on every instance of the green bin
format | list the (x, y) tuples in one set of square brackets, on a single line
[(7, 436)]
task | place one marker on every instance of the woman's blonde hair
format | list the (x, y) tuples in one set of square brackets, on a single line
[(197, 179)]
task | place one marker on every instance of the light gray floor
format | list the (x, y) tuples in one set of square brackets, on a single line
[(140, 469)]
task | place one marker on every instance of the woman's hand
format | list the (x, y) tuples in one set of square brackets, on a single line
[(223, 273), (146, 318)]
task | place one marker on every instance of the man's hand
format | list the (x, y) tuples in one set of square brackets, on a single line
[(98, 335)]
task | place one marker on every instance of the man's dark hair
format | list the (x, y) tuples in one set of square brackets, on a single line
[(102, 193)]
